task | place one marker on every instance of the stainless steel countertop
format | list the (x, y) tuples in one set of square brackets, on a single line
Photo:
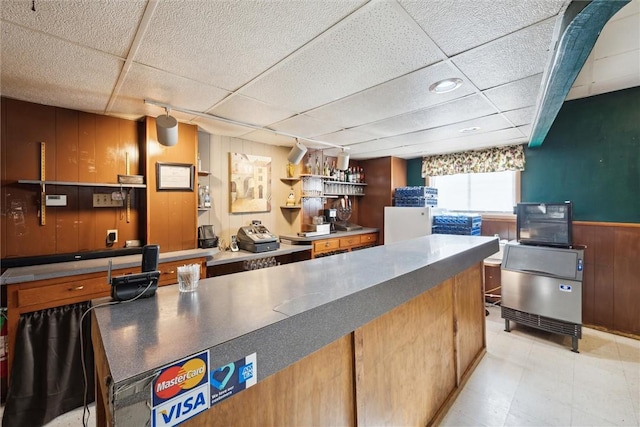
[(281, 313)]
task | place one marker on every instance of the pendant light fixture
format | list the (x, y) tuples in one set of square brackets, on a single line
[(343, 160), (167, 129), (297, 153)]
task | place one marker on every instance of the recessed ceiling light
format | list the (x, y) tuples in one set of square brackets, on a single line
[(470, 129), (446, 85)]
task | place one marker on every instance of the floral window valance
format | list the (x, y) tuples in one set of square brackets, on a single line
[(495, 159)]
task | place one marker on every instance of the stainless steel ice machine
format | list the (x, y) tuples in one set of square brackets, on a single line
[(542, 288)]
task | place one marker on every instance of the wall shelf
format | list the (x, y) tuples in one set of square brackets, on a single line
[(204, 173), (81, 184), (291, 207), (292, 179)]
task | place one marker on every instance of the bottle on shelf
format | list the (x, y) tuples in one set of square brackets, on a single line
[(201, 196), (308, 169), (207, 197)]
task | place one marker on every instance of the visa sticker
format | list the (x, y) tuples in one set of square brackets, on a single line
[(565, 288)]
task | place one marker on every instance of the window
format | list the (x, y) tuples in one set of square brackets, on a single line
[(478, 192)]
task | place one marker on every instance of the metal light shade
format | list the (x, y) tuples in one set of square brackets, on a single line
[(343, 161), (167, 130), (297, 153)]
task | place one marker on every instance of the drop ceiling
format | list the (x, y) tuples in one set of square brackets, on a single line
[(352, 73)]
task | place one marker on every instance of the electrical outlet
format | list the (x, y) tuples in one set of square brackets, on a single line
[(112, 236)]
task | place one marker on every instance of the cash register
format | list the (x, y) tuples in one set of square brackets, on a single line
[(256, 238)]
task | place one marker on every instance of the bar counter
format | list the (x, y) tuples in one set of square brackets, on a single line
[(285, 316)]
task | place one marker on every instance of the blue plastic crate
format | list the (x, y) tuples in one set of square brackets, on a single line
[(418, 202), (416, 191)]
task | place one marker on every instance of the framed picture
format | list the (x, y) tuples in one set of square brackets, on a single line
[(174, 176), (249, 183)]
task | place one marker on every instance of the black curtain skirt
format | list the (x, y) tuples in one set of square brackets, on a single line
[(46, 377)]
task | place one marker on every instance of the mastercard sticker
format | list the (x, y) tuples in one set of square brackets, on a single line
[(180, 377)]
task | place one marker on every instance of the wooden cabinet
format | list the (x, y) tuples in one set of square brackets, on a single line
[(384, 175), (338, 245), (27, 297)]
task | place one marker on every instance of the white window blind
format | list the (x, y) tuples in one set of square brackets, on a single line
[(477, 192)]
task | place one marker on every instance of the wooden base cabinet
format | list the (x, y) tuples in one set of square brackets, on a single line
[(403, 368), (338, 245)]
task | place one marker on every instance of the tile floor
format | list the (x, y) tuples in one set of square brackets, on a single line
[(531, 378)]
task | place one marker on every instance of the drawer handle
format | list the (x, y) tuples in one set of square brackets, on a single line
[(326, 244), (169, 272), (77, 288)]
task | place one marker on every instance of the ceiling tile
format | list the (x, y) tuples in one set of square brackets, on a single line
[(622, 82), (303, 125), (247, 110), (485, 124), (452, 112), (144, 82), (518, 94), (226, 44), (620, 36), (398, 96), (271, 138), (107, 25), (376, 44), (216, 127), (521, 116), (43, 69), (457, 26), (476, 142), (345, 137), (616, 66), (510, 58)]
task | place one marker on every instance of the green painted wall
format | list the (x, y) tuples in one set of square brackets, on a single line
[(590, 156), (414, 172)]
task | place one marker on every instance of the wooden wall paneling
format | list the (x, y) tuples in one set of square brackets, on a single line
[(66, 219), (469, 317), (109, 161), (603, 244), (128, 142), (171, 216), (87, 147), (583, 235), (504, 227), (66, 147), (603, 255), (3, 177), (383, 175), (418, 336), (86, 218), (626, 272), (26, 126), (316, 390), (67, 168), (603, 296)]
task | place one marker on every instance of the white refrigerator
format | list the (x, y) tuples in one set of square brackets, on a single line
[(403, 223)]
